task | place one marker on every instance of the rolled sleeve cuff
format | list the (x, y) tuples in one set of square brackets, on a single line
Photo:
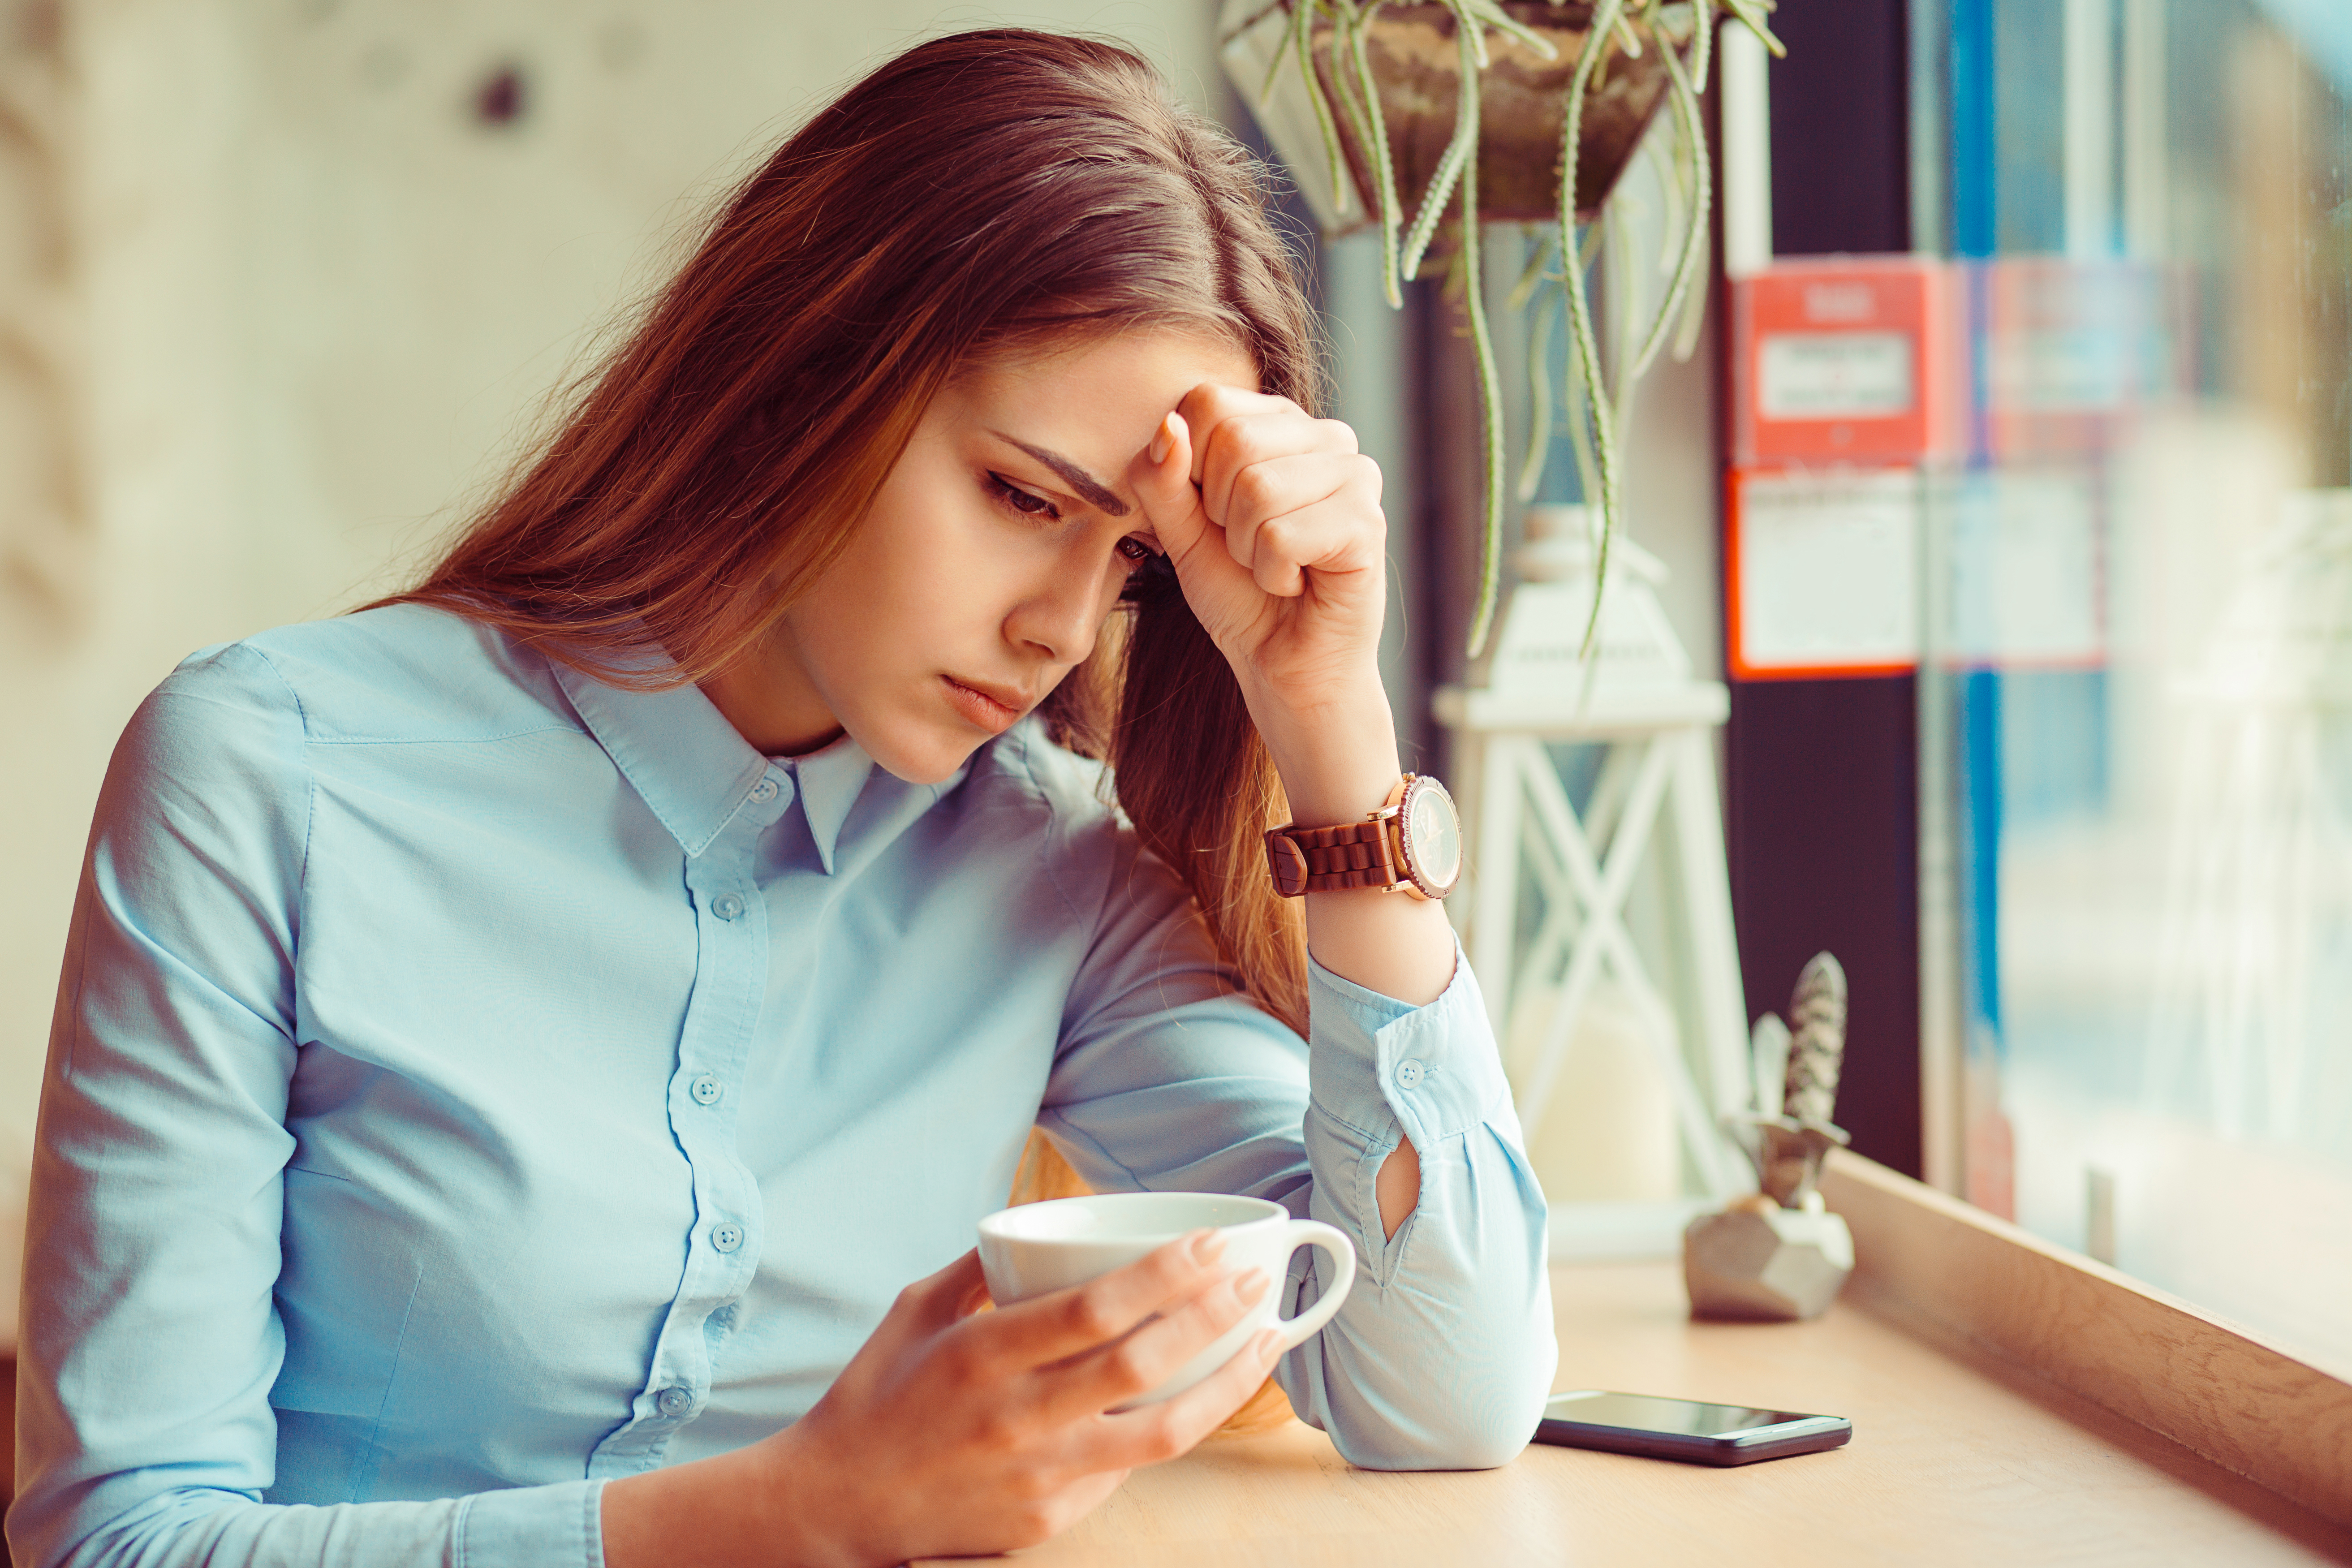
[(1434, 1070), (555, 1526)]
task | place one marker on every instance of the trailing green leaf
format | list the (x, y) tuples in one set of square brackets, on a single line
[(1539, 421), (1490, 385), (1584, 349), (1685, 100), (1532, 276), (1579, 432), (1695, 299), (1345, 19), (1377, 137), (1491, 12), (1702, 41), (1467, 27), (1459, 150), (1302, 20), (1274, 66), (1624, 302), (1751, 14)]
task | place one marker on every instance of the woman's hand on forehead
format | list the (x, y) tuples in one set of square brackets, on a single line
[(1272, 519)]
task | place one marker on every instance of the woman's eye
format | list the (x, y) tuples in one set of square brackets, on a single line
[(1019, 500), (1134, 551)]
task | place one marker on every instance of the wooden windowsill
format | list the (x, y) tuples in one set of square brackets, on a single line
[(1959, 1458), (1946, 1269)]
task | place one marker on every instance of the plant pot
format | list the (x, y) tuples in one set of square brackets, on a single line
[(1415, 61)]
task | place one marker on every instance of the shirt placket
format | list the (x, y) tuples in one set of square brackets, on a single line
[(722, 1244)]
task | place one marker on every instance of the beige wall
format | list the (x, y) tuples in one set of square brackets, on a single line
[(297, 298)]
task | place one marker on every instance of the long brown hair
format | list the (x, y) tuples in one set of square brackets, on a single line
[(979, 195)]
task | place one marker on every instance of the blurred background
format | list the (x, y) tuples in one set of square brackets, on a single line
[(286, 285)]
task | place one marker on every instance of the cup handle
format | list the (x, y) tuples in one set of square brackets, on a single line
[(1334, 1245)]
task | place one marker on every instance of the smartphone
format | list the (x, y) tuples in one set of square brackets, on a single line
[(1684, 1429)]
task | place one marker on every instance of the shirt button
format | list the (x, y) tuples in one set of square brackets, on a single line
[(706, 1089), (1410, 1072), (726, 1237), (764, 791), (675, 1401), (725, 905)]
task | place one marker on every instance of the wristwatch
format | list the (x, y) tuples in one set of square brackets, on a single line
[(1412, 845)]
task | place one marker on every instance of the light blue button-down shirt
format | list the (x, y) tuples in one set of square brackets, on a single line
[(472, 1082)]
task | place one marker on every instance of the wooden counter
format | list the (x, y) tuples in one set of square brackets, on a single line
[(1955, 1460)]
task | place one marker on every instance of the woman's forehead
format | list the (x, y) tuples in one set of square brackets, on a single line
[(1119, 354), (1096, 402)]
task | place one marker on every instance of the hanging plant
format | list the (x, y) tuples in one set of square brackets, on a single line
[(1524, 111)]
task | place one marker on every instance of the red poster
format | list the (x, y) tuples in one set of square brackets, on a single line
[(1841, 360)]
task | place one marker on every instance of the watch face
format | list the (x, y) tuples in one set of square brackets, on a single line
[(1433, 836)]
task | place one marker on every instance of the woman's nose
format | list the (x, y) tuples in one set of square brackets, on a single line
[(1066, 603), (1060, 617)]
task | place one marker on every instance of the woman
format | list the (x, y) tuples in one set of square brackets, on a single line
[(516, 1040)]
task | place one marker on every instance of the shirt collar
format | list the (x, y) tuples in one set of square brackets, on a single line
[(694, 771), (830, 782), (692, 768)]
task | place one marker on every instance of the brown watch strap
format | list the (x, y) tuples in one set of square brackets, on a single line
[(1324, 860)]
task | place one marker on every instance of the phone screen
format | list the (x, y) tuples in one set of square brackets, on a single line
[(1647, 1413)]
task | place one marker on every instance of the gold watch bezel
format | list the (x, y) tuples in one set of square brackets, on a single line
[(1396, 814)]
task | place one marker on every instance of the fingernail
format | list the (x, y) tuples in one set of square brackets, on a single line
[(1268, 1343), (1162, 440), (1251, 1285), (1208, 1247)]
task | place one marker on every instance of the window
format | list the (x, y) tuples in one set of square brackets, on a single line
[(2136, 725)]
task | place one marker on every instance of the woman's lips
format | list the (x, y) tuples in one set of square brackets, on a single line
[(984, 708)]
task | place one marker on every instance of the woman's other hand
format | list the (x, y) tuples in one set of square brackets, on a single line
[(956, 1432), (1272, 519)]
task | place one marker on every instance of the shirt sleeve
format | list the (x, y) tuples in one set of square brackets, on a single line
[(1441, 1355), (150, 1335)]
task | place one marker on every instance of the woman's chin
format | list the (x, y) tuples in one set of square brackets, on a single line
[(927, 759)]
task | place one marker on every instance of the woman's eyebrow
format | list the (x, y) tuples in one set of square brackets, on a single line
[(1093, 491)]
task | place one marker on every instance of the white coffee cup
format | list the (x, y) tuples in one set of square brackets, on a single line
[(1040, 1247)]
